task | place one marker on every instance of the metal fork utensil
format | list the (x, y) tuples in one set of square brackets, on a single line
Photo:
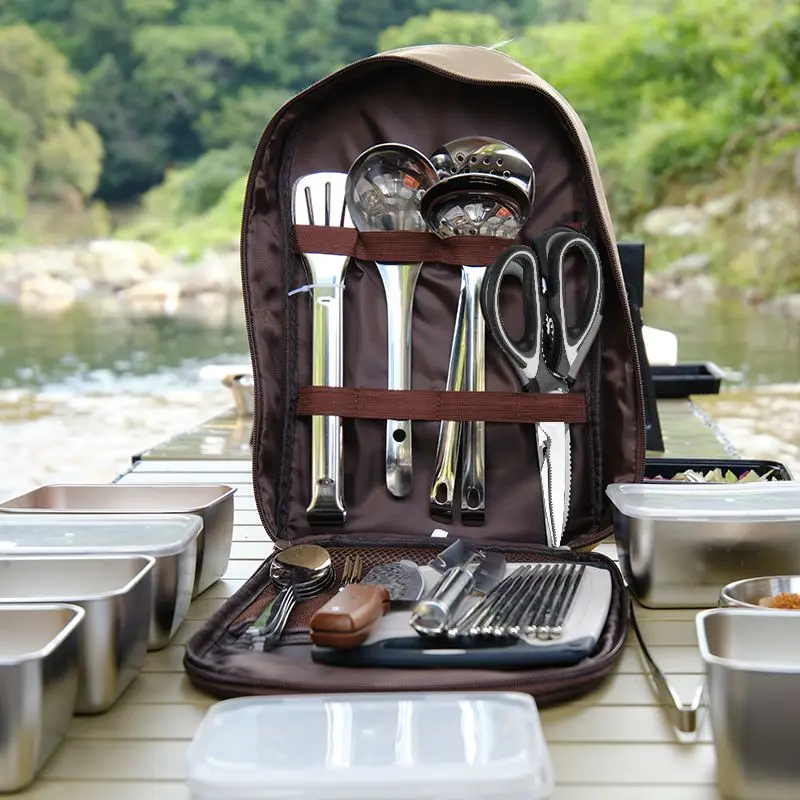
[(268, 628), (531, 602), (319, 199), (299, 572), (351, 571)]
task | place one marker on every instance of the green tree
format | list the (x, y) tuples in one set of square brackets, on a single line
[(447, 27), (44, 153), (240, 118), (666, 89)]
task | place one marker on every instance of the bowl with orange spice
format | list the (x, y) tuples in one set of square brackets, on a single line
[(775, 592)]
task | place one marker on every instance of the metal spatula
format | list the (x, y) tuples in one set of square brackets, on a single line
[(318, 199)]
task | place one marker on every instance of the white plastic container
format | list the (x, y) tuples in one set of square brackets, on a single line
[(169, 538), (680, 543), (414, 746)]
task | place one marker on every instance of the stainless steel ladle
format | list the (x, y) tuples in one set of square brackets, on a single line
[(484, 155), (384, 188), (469, 205)]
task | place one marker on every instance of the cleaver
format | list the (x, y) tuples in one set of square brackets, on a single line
[(464, 571), (351, 615)]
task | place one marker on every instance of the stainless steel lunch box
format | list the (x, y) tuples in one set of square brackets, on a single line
[(115, 593), (39, 651), (752, 662), (679, 544), (213, 503), (169, 538)]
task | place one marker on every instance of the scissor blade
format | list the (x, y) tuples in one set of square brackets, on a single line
[(555, 471)]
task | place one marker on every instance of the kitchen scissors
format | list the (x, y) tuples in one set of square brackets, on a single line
[(550, 353)]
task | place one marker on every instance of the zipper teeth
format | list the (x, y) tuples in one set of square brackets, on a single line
[(566, 113)]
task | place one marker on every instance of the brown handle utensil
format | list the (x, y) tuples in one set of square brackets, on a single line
[(347, 619)]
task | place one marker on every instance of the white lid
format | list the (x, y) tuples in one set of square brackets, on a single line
[(732, 502), (363, 746), (151, 534)]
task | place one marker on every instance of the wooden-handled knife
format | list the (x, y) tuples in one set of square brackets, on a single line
[(354, 612)]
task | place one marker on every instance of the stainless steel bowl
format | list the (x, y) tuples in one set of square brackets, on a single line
[(749, 593), (678, 544), (752, 664), (213, 503), (169, 538), (115, 593), (39, 651)]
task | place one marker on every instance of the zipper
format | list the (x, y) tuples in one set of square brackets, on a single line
[(568, 114), (560, 677)]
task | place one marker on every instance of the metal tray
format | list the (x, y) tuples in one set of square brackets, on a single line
[(169, 538), (115, 593), (685, 379), (39, 651), (213, 503), (752, 662), (669, 467)]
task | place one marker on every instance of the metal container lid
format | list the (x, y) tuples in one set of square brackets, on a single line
[(149, 534), (777, 501), (362, 746)]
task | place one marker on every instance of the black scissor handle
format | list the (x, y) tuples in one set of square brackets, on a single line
[(524, 353), (573, 343)]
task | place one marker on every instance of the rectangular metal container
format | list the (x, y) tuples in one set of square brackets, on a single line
[(114, 591), (169, 538), (213, 503), (680, 543), (39, 651), (752, 661)]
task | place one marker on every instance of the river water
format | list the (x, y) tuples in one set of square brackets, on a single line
[(82, 391)]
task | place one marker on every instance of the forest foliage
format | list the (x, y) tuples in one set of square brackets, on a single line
[(120, 103)]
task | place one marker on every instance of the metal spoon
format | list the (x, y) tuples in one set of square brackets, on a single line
[(469, 205), (384, 187), (302, 572)]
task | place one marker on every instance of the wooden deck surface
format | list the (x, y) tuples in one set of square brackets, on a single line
[(613, 744)]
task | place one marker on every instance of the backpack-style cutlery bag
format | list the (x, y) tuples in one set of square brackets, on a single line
[(422, 97)]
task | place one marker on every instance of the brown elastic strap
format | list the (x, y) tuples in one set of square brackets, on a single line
[(399, 247), (421, 404)]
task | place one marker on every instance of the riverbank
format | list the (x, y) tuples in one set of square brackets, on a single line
[(124, 276), (133, 277), (729, 244)]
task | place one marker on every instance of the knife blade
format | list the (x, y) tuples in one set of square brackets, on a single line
[(479, 575), (351, 615)]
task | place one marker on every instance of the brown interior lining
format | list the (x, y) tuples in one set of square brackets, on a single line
[(367, 108), (420, 404)]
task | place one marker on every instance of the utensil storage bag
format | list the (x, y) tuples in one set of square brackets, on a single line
[(423, 97)]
